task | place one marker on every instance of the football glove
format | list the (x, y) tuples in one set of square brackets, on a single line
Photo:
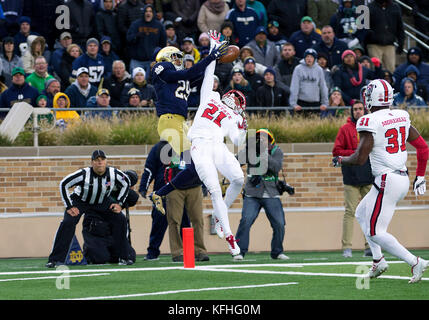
[(214, 39), (220, 51), (336, 161), (419, 185)]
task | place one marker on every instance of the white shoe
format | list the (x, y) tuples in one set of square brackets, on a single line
[(418, 269), (347, 253), (238, 257), (378, 268), (282, 256), (232, 245), (219, 229)]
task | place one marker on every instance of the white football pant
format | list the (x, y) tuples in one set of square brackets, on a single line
[(210, 157), (375, 212)]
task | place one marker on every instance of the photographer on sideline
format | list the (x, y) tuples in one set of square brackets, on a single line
[(264, 161)]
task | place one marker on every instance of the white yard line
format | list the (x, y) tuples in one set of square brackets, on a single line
[(185, 290)]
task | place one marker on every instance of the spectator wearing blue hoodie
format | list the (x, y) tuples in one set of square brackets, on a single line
[(245, 21), (19, 91), (304, 38), (407, 95), (109, 56), (106, 21), (414, 73), (414, 57), (24, 32), (92, 60), (143, 37)]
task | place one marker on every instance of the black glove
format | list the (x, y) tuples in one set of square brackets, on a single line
[(336, 161)]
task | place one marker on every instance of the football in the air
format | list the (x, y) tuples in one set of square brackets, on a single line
[(231, 55)]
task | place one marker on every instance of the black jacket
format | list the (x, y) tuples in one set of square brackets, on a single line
[(115, 87), (272, 96), (107, 25), (128, 12), (81, 20), (386, 25)]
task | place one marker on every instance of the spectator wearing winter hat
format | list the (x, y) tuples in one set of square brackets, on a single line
[(250, 74), (24, 32), (170, 32), (414, 57), (335, 100), (147, 91), (270, 94), (108, 55), (274, 34), (308, 87), (92, 60), (52, 87), (143, 37), (238, 82), (414, 73), (204, 44), (264, 50), (408, 96), (351, 76), (134, 98)]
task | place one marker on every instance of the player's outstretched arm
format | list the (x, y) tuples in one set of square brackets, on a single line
[(366, 142), (417, 141)]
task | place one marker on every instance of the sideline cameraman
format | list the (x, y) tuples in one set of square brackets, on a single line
[(261, 191)]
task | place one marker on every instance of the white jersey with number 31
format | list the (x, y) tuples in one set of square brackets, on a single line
[(390, 130)]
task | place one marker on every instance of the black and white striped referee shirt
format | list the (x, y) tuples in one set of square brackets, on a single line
[(92, 188)]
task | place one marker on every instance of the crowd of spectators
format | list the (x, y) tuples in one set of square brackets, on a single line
[(293, 53)]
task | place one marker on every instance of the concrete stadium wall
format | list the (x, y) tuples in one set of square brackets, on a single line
[(31, 208)]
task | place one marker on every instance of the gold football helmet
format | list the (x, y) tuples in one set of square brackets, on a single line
[(171, 54)]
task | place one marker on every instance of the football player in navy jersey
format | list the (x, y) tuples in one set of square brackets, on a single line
[(172, 85)]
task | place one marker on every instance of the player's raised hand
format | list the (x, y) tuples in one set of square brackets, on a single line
[(221, 50), (214, 39), (419, 185)]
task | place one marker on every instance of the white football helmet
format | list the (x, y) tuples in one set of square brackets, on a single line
[(378, 93), (235, 100)]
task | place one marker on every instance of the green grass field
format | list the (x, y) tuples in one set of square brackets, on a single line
[(306, 276)]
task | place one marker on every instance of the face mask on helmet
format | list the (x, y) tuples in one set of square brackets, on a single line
[(235, 100), (378, 93), (173, 55)]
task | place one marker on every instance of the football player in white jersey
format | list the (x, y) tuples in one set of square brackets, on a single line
[(216, 119), (383, 135)]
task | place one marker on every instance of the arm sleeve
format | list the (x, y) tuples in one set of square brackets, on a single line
[(172, 75), (207, 86), (123, 184), (422, 155), (69, 182)]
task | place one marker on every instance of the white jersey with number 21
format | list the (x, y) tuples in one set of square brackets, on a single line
[(390, 130)]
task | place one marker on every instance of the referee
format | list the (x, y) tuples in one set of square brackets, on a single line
[(92, 185)]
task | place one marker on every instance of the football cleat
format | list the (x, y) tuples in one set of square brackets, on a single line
[(232, 245), (219, 229), (378, 268), (157, 202), (418, 269)]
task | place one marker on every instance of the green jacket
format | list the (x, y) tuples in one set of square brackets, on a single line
[(38, 82)]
